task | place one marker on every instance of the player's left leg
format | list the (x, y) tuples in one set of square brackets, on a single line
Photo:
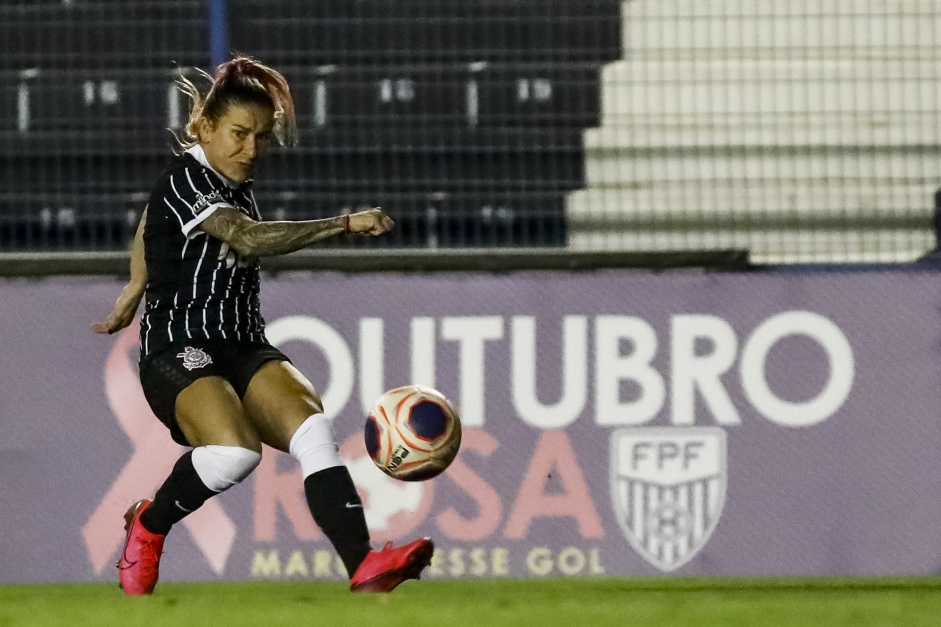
[(287, 413)]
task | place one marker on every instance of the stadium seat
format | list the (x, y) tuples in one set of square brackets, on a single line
[(112, 34), (94, 221), (554, 96), (441, 219), (447, 95), (356, 96), (284, 32), (79, 174), (387, 160), (391, 159), (50, 222), (9, 102), (94, 101)]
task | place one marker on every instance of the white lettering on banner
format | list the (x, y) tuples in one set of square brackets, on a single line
[(371, 362), (574, 375), (611, 368), (472, 332), (838, 386), (336, 394), (423, 351), (690, 372)]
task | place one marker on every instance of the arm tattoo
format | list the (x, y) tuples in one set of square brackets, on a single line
[(260, 239)]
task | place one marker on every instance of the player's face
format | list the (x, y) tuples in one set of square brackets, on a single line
[(235, 141)]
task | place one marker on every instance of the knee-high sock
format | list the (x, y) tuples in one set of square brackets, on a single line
[(197, 476), (331, 494)]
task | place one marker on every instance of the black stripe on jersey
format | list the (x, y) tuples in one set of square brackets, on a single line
[(199, 288)]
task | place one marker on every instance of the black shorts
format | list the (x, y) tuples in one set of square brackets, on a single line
[(165, 374)]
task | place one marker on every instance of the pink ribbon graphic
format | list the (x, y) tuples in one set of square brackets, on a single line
[(211, 529)]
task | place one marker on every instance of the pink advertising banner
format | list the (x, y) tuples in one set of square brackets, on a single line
[(616, 423)]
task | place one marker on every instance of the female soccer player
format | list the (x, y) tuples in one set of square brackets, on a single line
[(206, 368)]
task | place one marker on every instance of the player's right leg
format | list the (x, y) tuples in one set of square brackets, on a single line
[(226, 450), (208, 415)]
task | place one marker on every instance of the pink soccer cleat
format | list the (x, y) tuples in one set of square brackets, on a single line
[(383, 570), (139, 565)]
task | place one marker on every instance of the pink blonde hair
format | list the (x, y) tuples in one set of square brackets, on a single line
[(237, 82)]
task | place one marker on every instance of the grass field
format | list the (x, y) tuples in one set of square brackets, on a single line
[(545, 603)]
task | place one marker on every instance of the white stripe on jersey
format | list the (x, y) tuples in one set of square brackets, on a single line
[(147, 334), (212, 292), (170, 323), (225, 336), (182, 200), (238, 333), (177, 295), (240, 300), (179, 219), (198, 193), (208, 180), (189, 305)]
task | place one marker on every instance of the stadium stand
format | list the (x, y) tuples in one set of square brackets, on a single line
[(383, 32), (464, 120), (83, 108), (800, 130), (82, 35)]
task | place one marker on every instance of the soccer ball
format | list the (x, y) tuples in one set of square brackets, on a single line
[(413, 433)]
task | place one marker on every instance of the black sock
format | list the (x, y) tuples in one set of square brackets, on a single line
[(183, 492), (330, 495)]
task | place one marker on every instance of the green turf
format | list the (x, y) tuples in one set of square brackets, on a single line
[(545, 603)]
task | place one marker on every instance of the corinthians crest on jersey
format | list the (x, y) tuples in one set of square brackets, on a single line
[(668, 490), (194, 358)]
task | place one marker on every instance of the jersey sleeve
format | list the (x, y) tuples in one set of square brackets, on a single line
[(192, 195)]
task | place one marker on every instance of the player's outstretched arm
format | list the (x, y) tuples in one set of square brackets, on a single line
[(261, 239), (129, 300)]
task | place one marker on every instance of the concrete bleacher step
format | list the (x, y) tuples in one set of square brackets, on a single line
[(803, 131), (784, 131), (728, 165), (729, 204), (776, 246), (795, 69), (818, 29), (783, 102), (702, 9)]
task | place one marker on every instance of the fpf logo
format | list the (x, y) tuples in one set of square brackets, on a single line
[(668, 490)]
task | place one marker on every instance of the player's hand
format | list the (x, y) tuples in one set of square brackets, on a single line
[(122, 314), (370, 223)]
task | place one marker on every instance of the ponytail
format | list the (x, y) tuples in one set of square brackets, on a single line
[(239, 81)]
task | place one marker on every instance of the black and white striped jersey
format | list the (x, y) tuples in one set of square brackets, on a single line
[(197, 287)]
